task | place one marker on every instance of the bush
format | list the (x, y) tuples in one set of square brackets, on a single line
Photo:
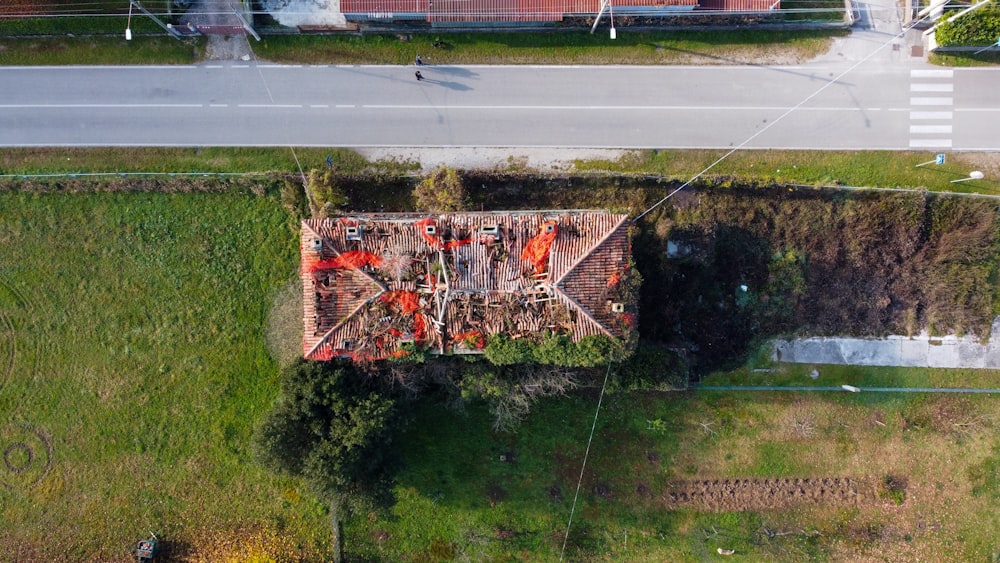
[(556, 350), (979, 28), (441, 191), (293, 198), (502, 350), (325, 193), (652, 368)]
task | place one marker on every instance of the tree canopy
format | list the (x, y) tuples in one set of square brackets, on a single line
[(334, 430)]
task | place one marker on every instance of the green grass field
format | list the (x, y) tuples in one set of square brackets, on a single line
[(134, 368), (133, 339), (457, 498)]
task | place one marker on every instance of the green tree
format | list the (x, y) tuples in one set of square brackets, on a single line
[(442, 191), (332, 429)]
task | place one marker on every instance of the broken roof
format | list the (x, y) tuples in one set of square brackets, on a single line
[(374, 282)]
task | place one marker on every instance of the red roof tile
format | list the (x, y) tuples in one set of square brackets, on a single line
[(459, 274)]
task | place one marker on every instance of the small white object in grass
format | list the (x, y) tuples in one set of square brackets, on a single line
[(725, 551), (850, 388)]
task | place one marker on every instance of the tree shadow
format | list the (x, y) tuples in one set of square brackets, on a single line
[(700, 291)]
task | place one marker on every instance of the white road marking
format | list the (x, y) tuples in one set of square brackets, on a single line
[(270, 105), (620, 108), (931, 88), (932, 101), (941, 143), (99, 106), (930, 115), (931, 73), (930, 128)]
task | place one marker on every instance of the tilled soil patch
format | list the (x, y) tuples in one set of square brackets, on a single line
[(764, 494)]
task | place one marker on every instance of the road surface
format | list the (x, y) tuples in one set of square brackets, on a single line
[(910, 106)]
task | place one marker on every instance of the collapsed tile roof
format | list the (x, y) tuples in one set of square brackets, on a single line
[(374, 282)]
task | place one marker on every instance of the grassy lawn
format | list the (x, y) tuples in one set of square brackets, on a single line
[(458, 499), (151, 46), (760, 369), (99, 50), (877, 169), (203, 159), (566, 47), (132, 330)]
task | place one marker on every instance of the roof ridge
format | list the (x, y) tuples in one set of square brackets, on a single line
[(323, 339), (573, 303), (590, 251)]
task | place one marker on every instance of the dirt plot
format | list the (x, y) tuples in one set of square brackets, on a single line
[(764, 494)]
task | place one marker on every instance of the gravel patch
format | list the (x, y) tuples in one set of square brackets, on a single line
[(493, 158)]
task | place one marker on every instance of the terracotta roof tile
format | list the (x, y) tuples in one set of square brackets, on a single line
[(462, 273)]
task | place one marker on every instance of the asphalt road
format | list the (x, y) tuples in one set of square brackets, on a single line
[(883, 107)]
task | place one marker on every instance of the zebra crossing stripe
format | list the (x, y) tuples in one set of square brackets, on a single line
[(930, 128), (937, 73), (930, 87)]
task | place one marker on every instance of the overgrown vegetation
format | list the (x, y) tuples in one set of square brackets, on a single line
[(557, 350), (325, 194), (441, 191), (154, 307)]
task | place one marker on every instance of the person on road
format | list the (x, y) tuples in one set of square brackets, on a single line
[(419, 76), (419, 61)]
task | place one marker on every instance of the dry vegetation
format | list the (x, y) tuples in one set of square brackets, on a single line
[(814, 261)]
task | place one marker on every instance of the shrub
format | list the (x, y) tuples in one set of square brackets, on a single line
[(293, 198), (502, 350), (441, 191), (893, 489), (556, 350), (652, 367), (979, 28), (325, 193)]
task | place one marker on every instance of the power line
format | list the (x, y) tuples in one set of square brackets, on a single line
[(260, 73), (583, 466), (780, 117)]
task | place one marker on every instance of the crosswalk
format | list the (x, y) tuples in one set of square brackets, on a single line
[(931, 103)]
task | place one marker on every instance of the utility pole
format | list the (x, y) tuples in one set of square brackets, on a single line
[(246, 24)]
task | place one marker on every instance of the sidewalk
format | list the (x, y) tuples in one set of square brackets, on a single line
[(877, 36), (900, 351)]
